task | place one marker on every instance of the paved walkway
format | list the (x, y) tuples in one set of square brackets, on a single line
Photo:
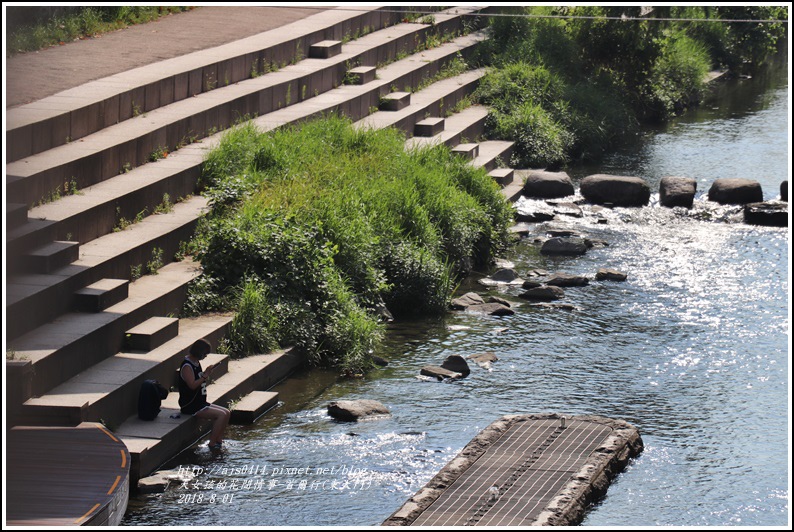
[(36, 75)]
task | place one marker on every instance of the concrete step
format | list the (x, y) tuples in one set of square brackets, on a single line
[(466, 125), (16, 215), (72, 343), (512, 191), (503, 176), (33, 300), (468, 151), (429, 127), (493, 153), (151, 334), (433, 100), (100, 295), (361, 75), (160, 131), (252, 406), (51, 257), (76, 113), (325, 49), (108, 390), (396, 101), (152, 443)]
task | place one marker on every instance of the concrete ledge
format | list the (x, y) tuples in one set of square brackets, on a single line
[(567, 506), (325, 49), (493, 153), (152, 333), (468, 151), (252, 406), (429, 127), (361, 75), (100, 295), (16, 215), (395, 101), (52, 256), (503, 176)]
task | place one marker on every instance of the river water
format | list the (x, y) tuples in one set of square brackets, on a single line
[(693, 350)]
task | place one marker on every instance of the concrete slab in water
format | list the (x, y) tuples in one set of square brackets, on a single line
[(537, 469)]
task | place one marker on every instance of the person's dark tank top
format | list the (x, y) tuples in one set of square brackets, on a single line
[(191, 401)]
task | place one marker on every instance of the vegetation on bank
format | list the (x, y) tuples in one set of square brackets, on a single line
[(566, 88), (32, 28), (316, 229)]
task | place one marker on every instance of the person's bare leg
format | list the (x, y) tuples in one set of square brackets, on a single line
[(220, 420)]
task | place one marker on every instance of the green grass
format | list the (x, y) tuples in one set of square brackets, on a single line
[(327, 223), (37, 28)]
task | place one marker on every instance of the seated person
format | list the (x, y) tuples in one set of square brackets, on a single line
[(193, 393)]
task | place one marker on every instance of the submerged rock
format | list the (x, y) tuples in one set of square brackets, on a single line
[(768, 213), (482, 359), (736, 191), (355, 410), (456, 364), (559, 306), (492, 309), (501, 301), (379, 361), (784, 191), (570, 246), (503, 276), (677, 191), (619, 191)]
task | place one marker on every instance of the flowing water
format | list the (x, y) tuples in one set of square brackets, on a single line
[(692, 349)]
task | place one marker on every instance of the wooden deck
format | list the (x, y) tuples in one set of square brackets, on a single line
[(525, 470), (66, 476)]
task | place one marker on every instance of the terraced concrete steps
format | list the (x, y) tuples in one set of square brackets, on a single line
[(152, 443), (151, 334), (100, 295), (34, 299), (51, 257), (73, 342), (73, 114), (108, 391), (99, 156), (468, 124), (252, 406)]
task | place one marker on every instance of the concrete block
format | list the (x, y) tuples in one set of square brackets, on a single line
[(181, 85), (51, 257), (361, 75), (469, 151), (503, 176), (101, 295), (151, 334), (195, 82), (395, 101), (429, 127), (16, 215), (253, 405), (111, 111), (151, 99), (325, 49), (166, 91)]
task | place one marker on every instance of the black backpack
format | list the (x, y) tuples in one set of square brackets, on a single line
[(149, 399)]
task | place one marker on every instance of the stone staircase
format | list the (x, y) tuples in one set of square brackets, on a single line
[(101, 196)]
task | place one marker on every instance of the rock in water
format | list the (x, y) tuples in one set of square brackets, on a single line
[(484, 360), (564, 246), (768, 213), (439, 373), (564, 279), (541, 184), (736, 191), (355, 410), (543, 293), (465, 301), (619, 191), (457, 364), (607, 274), (784, 191), (677, 191)]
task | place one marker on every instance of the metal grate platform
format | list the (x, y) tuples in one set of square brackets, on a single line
[(519, 474)]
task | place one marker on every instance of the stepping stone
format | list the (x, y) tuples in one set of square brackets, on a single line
[(608, 274), (440, 373), (429, 127), (53, 256), (253, 405), (503, 176), (151, 334), (469, 151), (325, 49), (395, 101), (16, 215), (101, 295), (361, 75)]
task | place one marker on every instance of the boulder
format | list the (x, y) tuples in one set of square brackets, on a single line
[(619, 191), (529, 285), (568, 209), (541, 184), (607, 274), (768, 213), (564, 246), (536, 215), (457, 364), (677, 191), (439, 373), (379, 361), (564, 233), (465, 301), (492, 309), (784, 191), (355, 410), (544, 293), (595, 243), (564, 279), (736, 191)]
